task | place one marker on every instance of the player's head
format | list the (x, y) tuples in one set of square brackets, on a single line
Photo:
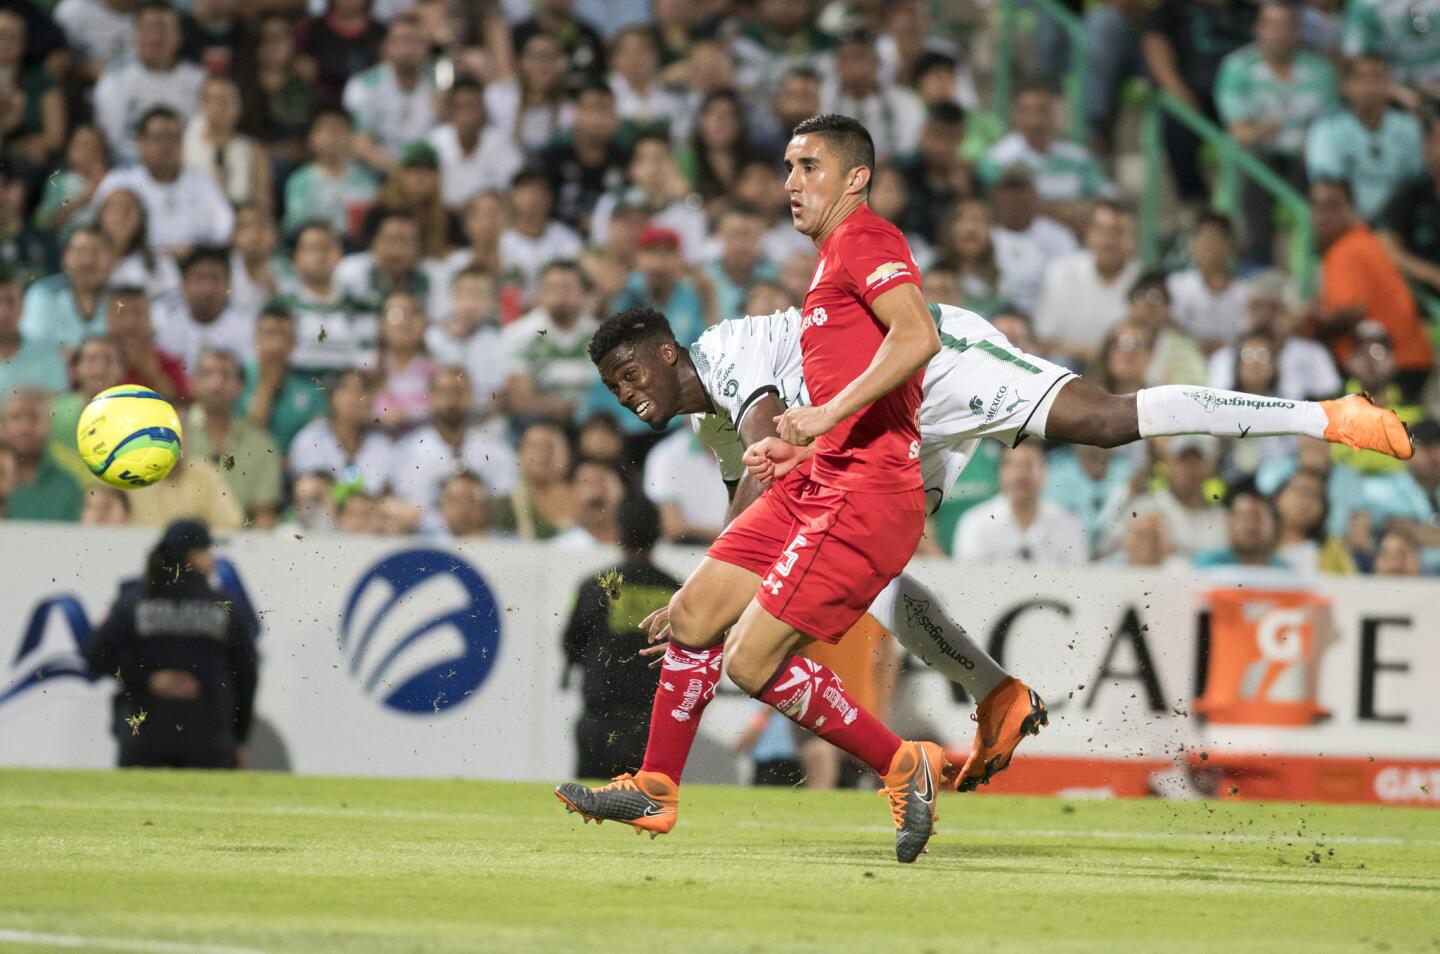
[(829, 161), (638, 358)]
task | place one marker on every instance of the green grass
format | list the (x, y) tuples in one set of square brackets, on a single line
[(279, 863)]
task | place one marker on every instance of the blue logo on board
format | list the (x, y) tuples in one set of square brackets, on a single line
[(421, 631)]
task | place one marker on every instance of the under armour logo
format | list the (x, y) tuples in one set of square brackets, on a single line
[(772, 584)]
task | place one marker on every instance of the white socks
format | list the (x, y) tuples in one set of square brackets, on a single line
[(918, 619), (1182, 409)]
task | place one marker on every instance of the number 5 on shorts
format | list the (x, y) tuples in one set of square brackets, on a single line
[(788, 558)]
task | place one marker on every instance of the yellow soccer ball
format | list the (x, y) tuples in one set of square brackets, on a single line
[(129, 436)]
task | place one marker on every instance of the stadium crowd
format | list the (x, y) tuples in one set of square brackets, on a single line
[(363, 245)]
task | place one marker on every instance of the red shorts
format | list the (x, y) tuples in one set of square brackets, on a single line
[(823, 554)]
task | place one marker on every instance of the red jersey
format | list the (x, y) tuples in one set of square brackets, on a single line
[(876, 449)]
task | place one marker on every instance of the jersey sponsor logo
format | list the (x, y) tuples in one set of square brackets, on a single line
[(995, 403), (885, 273), (1018, 402), (1209, 400), (977, 406), (402, 612), (816, 318), (731, 388)]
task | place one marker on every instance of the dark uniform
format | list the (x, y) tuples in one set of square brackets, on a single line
[(604, 638), (189, 628)]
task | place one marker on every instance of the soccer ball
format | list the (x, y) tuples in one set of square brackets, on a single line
[(129, 436)]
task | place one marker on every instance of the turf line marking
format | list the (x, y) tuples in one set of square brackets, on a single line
[(1064, 833), (117, 944)]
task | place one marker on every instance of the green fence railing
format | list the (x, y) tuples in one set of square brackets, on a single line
[(1233, 160), (1008, 30)]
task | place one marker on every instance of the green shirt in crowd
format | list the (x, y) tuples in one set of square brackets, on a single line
[(250, 464), (1248, 90), (52, 495), (298, 402), (1376, 162), (1405, 32)]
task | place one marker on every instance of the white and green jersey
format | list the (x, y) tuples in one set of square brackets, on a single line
[(1376, 162), (331, 334), (1247, 90), (556, 358), (391, 116), (1065, 172), (979, 385), (1404, 32), (312, 194)]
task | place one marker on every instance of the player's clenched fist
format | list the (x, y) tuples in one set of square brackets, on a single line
[(771, 458), (801, 425)]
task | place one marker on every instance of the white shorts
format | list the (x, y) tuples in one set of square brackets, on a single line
[(979, 385)]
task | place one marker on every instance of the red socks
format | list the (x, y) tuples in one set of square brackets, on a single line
[(811, 695), (687, 684)]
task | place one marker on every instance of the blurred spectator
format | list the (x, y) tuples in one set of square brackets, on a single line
[(659, 282), (391, 265), (1251, 531), (1407, 37), (641, 99), (766, 298), (183, 208), (215, 431), (393, 103), (278, 397), (1175, 358), (580, 45), (1193, 522), (1066, 175), (776, 35), (95, 367), (598, 489), (1408, 497), (128, 324), (32, 108), (404, 367), (1084, 293), (741, 265), (69, 191), (762, 187), (531, 106), (105, 506), (1026, 242), (1304, 542), (797, 97), (658, 189), (1398, 554), (453, 441), (1020, 524), (1183, 45), (1360, 283), (413, 188), (332, 187), (894, 115), (1410, 225), (473, 156), (969, 249), (312, 504), (214, 146), (889, 199), (132, 89), (1112, 34), (541, 505), (796, 273), (464, 506), (40, 488), (550, 373), (1082, 479), (1304, 369), (344, 42), (25, 363), (1257, 371), (332, 332), (1268, 94), (708, 67), (122, 219), (1371, 146), (533, 239), (23, 248), (469, 335), (683, 479), (483, 221), (1344, 485), (935, 175), (589, 161), (1370, 369), (600, 438), (719, 146), (212, 34), (602, 637), (359, 512), (203, 318), (194, 490), (278, 104), (256, 272), (99, 33), (1147, 543), (343, 445), (1209, 300)]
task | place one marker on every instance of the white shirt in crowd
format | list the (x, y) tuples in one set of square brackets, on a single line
[(529, 256), (1306, 370), (480, 355), (575, 538), (1192, 530), (989, 531), (181, 335), (1205, 314), (188, 211), (316, 450), (128, 91), (231, 168), (655, 105), (687, 221), (1076, 306), (391, 116), (532, 129), (101, 36), (422, 461), (680, 470), (491, 165), (893, 115), (1023, 256)]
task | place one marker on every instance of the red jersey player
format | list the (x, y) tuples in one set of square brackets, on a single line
[(804, 561)]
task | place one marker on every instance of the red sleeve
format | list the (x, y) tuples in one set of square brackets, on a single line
[(877, 259)]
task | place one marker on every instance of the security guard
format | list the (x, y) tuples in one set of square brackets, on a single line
[(186, 663)]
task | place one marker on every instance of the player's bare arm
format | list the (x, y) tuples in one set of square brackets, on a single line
[(911, 340)]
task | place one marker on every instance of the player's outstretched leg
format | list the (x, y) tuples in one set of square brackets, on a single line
[(1008, 710), (645, 800)]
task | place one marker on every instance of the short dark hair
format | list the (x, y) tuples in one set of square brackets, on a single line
[(1246, 488), (949, 113), (530, 175), (10, 276), (629, 327), (848, 137), (154, 6), (313, 225), (392, 214), (1113, 206), (206, 253), (652, 135), (126, 292), (934, 60), (566, 265), (600, 462), (804, 72), (276, 309), (639, 523), (154, 113), (330, 112), (465, 83), (1342, 185), (1212, 219), (1154, 280), (594, 86)]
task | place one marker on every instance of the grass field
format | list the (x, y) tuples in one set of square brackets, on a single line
[(179, 862)]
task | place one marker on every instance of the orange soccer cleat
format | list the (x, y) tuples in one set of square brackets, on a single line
[(911, 785), (1357, 422), (648, 801), (1010, 712)]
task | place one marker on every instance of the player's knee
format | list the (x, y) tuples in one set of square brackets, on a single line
[(746, 669), (689, 624)]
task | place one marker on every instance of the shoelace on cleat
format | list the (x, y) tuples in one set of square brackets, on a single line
[(622, 783), (897, 796)]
